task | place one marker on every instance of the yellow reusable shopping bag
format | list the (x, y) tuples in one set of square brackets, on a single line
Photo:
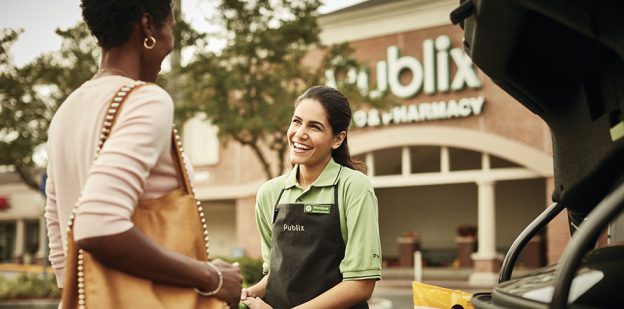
[(431, 296)]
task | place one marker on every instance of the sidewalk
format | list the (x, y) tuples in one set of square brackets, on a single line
[(451, 278), (394, 291), (12, 271)]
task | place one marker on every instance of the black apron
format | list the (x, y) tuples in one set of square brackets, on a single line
[(306, 252)]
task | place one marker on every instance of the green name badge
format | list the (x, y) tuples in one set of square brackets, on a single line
[(317, 209)]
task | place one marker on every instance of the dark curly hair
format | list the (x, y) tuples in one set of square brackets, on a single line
[(111, 21)]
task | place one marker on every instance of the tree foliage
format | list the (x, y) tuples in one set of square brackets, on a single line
[(248, 89), (31, 94)]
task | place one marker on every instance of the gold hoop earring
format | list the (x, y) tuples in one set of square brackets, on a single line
[(147, 44)]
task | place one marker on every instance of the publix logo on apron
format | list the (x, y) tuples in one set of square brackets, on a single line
[(431, 76), (294, 228)]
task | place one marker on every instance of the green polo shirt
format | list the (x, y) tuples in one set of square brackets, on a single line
[(359, 219)]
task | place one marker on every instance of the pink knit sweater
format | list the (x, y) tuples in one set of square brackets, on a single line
[(135, 162)]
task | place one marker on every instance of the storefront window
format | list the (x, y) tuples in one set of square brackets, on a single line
[(32, 237), (463, 159), (428, 159), (387, 161), (7, 241), (498, 162), (201, 142), (425, 159)]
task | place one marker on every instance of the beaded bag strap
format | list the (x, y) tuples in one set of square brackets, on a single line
[(177, 151), (179, 158), (182, 173), (185, 182), (109, 120)]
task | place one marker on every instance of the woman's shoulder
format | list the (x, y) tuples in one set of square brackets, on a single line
[(105, 88), (269, 191), (353, 177), (273, 186), (150, 100), (154, 92)]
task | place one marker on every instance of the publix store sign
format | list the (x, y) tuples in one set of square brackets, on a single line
[(461, 108), (432, 75)]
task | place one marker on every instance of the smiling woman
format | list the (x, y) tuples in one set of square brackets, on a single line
[(311, 140), (318, 223)]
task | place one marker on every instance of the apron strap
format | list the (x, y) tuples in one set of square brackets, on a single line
[(336, 186), (336, 194), (275, 206)]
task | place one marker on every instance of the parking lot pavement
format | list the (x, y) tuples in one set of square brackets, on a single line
[(396, 293), (391, 298), (393, 292), (388, 294)]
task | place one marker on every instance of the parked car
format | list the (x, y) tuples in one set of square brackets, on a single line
[(564, 61)]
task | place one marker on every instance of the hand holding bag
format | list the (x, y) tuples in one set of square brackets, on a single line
[(175, 221)]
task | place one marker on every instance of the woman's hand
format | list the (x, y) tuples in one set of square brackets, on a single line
[(246, 293), (232, 280), (257, 290), (256, 303)]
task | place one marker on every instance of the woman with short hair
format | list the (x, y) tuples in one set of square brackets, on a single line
[(134, 166)]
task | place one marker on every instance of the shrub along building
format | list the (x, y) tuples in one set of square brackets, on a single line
[(456, 163)]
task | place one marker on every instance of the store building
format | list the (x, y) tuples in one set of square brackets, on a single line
[(456, 164), (22, 226), (456, 155), (460, 152)]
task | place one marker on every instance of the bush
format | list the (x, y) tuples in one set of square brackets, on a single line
[(467, 230), (28, 286), (36, 286), (250, 268)]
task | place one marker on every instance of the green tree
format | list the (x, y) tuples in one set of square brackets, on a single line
[(19, 113), (185, 36), (249, 87), (31, 94)]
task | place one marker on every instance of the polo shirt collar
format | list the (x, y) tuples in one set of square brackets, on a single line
[(328, 177)]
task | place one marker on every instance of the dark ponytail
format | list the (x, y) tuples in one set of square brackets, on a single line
[(338, 112)]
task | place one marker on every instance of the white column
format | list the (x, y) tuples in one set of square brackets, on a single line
[(406, 162), (445, 165), (486, 260), (43, 239), (370, 164), (486, 221), (18, 252), (485, 161)]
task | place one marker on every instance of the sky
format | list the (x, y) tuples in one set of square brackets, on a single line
[(39, 19)]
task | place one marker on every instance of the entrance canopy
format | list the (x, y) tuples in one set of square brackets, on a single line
[(532, 162)]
